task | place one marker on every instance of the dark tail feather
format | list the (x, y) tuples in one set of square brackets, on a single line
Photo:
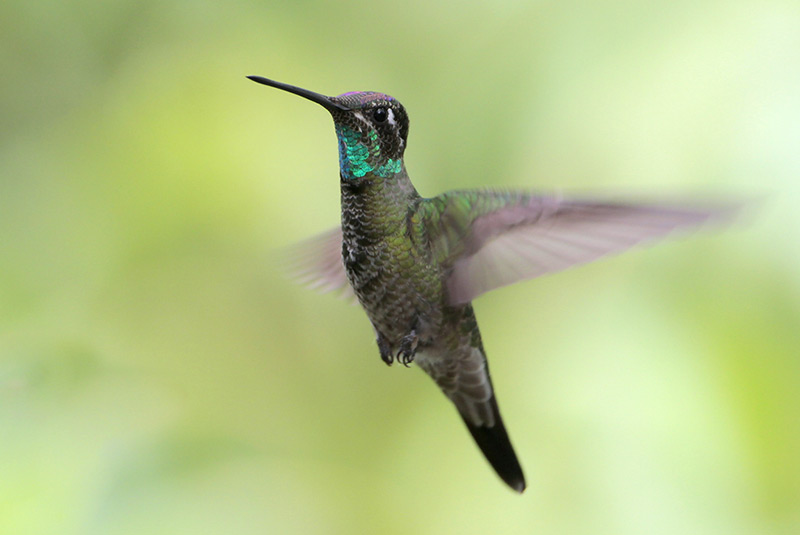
[(496, 446)]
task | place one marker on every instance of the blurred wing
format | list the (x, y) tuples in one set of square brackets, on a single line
[(524, 236), (317, 263)]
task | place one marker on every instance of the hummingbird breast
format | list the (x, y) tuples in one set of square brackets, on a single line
[(392, 274)]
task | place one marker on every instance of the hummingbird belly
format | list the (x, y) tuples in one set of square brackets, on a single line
[(400, 291)]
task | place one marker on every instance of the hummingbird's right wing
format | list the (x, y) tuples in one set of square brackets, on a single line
[(488, 239), (317, 263)]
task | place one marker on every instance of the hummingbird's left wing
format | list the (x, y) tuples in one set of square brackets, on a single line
[(317, 263), (488, 239)]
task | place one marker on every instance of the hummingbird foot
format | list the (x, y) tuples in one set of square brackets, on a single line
[(386, 351), (408, 348)]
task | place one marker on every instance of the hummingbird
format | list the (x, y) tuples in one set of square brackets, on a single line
[(415, 263)]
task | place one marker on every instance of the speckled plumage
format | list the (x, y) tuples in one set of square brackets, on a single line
[(415, 263)]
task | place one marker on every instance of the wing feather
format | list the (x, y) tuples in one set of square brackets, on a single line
[(496, 238), (317, 263)]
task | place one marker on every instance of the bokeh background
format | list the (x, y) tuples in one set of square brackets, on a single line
[(159, 374)]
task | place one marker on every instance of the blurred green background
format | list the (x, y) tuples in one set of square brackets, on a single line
[(158, 374)]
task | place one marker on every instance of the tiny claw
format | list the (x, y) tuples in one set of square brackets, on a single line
[(406, 358), (386, 351), (408, 348)]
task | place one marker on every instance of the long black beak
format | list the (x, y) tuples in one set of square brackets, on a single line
[(322, 100)]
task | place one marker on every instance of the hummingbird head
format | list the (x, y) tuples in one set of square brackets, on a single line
[(372, 129)]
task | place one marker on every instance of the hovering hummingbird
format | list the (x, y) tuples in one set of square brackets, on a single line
[(415, 263)]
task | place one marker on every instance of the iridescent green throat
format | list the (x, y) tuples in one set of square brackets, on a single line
[(359, 157)]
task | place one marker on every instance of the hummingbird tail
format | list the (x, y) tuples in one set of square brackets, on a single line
[(463, 375), (496, 447)]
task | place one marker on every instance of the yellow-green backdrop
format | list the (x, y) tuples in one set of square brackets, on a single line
[(159, 375)]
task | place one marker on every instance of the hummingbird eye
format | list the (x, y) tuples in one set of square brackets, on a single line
[(380, 114)]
